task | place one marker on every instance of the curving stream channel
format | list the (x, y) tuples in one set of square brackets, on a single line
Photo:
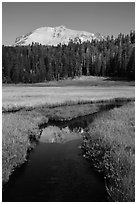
[(56, 170)]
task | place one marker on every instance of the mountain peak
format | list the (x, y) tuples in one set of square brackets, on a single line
[(56, 35)]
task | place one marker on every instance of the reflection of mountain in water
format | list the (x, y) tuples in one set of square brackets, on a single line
[(54, 134)]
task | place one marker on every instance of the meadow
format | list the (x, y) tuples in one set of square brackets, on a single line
[(28, 106), (55, 93)]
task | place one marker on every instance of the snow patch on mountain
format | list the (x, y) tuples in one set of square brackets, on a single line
[(55, 36)]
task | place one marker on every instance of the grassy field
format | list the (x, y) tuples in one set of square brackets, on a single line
[(19, 96), (110, 145)]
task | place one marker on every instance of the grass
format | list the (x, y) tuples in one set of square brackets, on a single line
[(17, 132), (110, 145), (29, 97), (69, 110), (84, 89)]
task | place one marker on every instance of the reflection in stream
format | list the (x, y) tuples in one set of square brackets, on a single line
[(54, 134)]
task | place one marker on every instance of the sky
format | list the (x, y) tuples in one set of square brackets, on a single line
[(107, 18)]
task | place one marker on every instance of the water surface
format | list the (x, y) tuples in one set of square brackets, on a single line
[(56, 172)]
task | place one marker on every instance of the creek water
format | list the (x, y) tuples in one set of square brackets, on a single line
[(56, 170)]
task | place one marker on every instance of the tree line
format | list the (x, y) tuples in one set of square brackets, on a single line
[(113, 57)]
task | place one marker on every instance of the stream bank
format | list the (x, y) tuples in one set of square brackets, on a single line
[(109, 146)]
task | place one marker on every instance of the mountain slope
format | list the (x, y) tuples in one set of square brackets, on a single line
[(55, 36)]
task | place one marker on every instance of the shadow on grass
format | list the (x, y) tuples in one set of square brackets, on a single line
[(125, 79)]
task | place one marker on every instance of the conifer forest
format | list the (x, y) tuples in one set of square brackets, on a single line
[(112, 57)]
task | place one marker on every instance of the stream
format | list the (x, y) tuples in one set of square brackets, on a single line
[(56, 170)]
